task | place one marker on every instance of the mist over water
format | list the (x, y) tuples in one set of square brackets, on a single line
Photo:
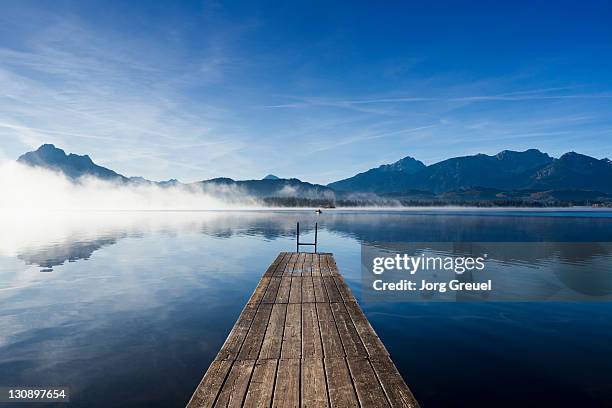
[(128, 308), (25, 188)]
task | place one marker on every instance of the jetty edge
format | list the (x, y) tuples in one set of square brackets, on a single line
[(302, 341)]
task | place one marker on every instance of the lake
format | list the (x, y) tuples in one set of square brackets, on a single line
[(130, 308)]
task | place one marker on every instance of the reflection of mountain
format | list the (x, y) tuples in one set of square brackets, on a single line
[(486, 226), (57, 254), (74, 239)]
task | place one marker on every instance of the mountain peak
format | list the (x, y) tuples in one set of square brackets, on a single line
[(574, 156), (46, 152), (72, 165), (575, 171), (387, 176), (577, 160), (219, 180), (407, 164), (271, 177), (49, 147), (509, 154)]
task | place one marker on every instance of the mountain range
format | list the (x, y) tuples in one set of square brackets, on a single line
[(530, 174), (75, 166), (507, 170)]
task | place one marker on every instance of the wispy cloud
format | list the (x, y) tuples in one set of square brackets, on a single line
[(365, 136), (528, 95), (194, 94), (108, 96)]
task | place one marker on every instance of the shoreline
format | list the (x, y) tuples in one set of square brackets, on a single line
[(432, 209)]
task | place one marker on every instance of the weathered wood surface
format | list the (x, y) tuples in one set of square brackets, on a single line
[(302, 341)]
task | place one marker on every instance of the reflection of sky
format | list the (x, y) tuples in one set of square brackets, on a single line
[(140, 312), (518, 271), (125, 305)]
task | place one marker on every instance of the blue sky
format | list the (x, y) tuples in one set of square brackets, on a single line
[(313, 90)]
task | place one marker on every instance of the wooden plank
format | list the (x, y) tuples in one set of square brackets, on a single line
[(319, 289), (369, 338), (231, 347), (331, 265), (296, 264), (292, 264), (302, 339), (345, 291), (274, 265), (394, 386), (308, 294), (254, 338), (209, 387), (283, 290), (323, 265), (296, 290), (292, 336), (261, 387), (280, 270), (332, 290), (306, 264), (260, 290), (368, 389), (299, 267), (271, 290), (332, 346), (287, 390), (236, 384), (348, 334), (311, 335), (273, 339), (339, 384), (307, 269), (316, 269), (314, 384)]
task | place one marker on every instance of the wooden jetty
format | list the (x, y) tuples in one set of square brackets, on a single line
[(302, 341)]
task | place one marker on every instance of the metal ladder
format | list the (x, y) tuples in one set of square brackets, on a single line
[(307, 243)]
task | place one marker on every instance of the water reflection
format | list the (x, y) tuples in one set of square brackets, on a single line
[(56, 254), (138, 304), (519, 271), (52, 241)]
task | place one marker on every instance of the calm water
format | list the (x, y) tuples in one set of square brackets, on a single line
[(129, 309)]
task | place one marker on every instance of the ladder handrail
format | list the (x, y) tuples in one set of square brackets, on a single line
[(307, 243)]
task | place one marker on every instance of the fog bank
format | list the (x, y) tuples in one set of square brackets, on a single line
[(25, 188)]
